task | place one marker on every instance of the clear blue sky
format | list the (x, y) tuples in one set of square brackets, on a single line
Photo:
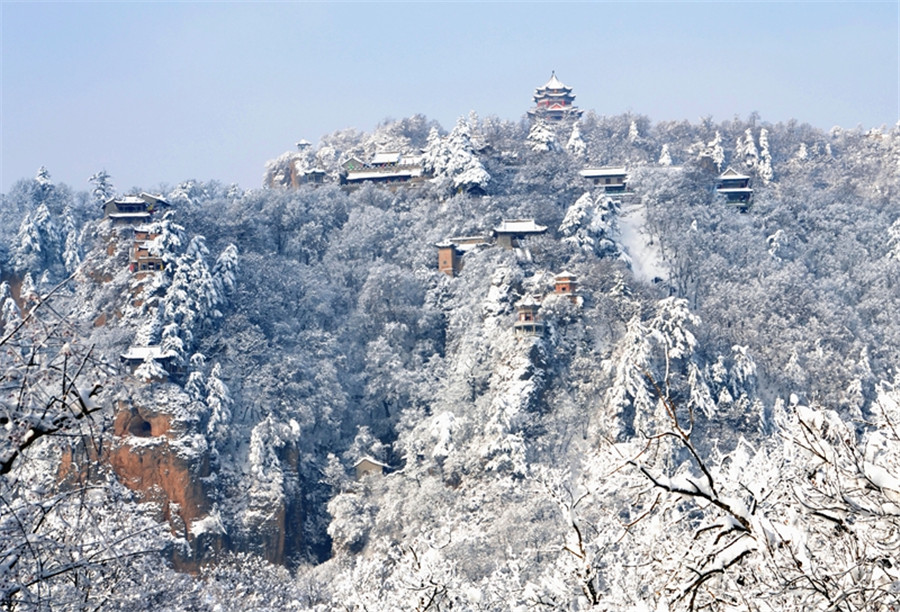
[(162, 92)]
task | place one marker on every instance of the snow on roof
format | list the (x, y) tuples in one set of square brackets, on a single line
[(478, 238), (564, 274), (143, 198), (127, 200), (734, 190), (463, 243), (142, 353), (303, 143), (137, 215), (520, 226), (372, 461), (412, 160), (554, 83), (370, 174), (149, 198), (386, 157), (528, 302), (604, 171), (731, 174)]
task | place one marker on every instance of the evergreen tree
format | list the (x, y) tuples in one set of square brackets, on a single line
[(102, 190)]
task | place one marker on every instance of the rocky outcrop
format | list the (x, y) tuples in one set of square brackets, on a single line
[(159, 457)]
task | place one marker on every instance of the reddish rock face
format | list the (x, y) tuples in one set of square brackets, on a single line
[(145, 461)]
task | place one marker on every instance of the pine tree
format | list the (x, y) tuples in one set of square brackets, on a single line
[(102, 190), (218, 398), (541, 137), (38, 244), (72, 251), (576, 145), (664, 158), (195, 386), (10, 315), (745, 151), (633, 134), (764, 168)]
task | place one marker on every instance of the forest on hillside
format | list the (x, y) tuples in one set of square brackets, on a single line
[(719, 435)]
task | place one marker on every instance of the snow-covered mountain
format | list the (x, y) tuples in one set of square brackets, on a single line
[(659, 397)]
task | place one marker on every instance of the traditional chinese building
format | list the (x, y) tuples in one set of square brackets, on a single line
[(566, 283), (554, 101), (450, 252), (612, 179), (133, 209), (143, 260), (735, 187), (313, 176), (385, 167), (448, 258), (511, 232), (367, 466), (137, 355), (527, 321)]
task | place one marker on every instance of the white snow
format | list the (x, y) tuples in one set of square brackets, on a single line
[(606, 171), (646, 261), (519, 226)]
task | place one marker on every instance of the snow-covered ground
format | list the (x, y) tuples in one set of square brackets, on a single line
[(637, 243)]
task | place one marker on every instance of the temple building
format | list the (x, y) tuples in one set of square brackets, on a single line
[(566, 284), (527, 321), (132, 209), (450, 252), (511, 232), (735, 187), (385, 167), (143, 259), (612, 179), (368, 466), (448, 258), (554, 101)]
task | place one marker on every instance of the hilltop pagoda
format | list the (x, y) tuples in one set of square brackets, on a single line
[(554, 102)]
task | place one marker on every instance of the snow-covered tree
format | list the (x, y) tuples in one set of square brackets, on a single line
[(576, 144), (38, 244), (10, 315), (453, 162), (710, 153), (665, 159), (541, 137), (195, 385), (633, 133), (103, 188), (218, 398), (764, 169), (72, 251)]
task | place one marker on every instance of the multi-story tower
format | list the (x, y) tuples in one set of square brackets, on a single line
[(554, 102)]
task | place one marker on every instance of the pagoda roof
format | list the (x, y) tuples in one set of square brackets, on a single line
[(731, 174), (554, 83), (565, 274)]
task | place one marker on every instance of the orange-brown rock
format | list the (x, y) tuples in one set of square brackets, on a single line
[(146, 460)]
